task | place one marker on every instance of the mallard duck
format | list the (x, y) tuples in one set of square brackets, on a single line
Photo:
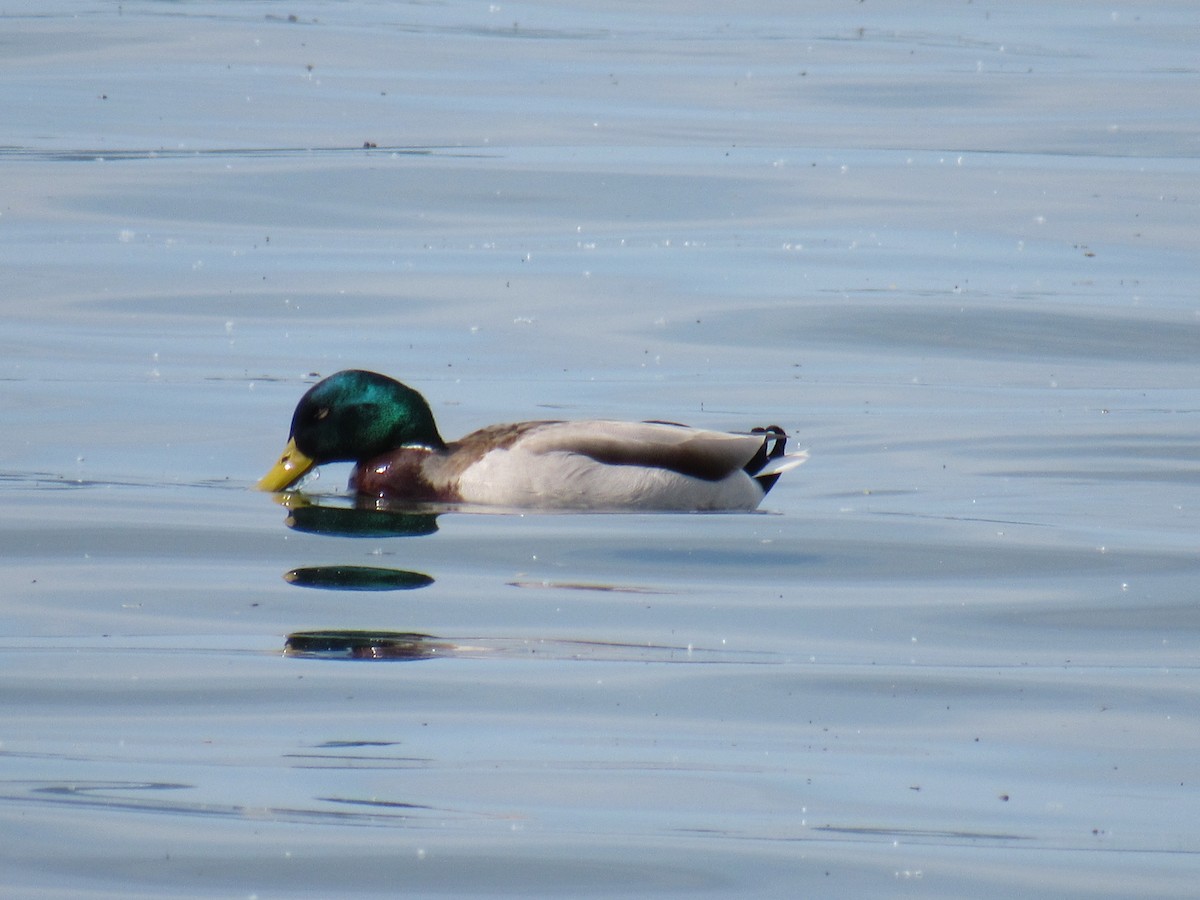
[(387, 429)]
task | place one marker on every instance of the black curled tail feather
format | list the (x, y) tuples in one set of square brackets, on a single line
[(773, 446)]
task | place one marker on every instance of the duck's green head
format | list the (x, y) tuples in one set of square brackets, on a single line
[(351, 416)]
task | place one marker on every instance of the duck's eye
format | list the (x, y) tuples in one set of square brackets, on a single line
[(322, 413)]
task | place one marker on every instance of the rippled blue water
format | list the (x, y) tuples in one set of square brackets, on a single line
[(950, 249)]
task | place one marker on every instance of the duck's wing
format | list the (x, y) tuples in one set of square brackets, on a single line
[(708, 455)]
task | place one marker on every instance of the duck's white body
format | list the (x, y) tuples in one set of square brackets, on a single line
[(587, 465)]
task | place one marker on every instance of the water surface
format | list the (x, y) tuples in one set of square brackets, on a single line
[(951, 250)]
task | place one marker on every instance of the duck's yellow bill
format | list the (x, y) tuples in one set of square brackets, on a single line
[(291, 467)]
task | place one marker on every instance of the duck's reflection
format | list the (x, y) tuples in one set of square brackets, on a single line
[(340, 644), (365, 519), (357, 578), (393, 645)]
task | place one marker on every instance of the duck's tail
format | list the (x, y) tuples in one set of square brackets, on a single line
[(772, 458)]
